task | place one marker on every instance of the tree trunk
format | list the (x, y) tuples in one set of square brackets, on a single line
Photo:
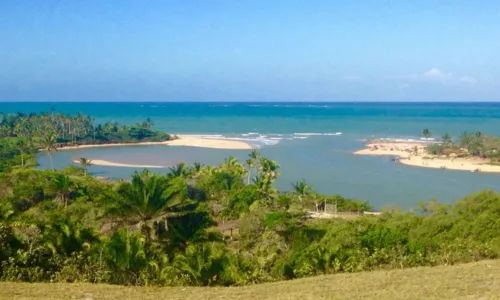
[(50, 160)]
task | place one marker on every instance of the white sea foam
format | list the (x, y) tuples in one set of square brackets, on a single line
[(259, 139)]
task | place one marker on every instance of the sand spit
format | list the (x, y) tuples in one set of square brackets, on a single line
[(406, 155), (183, 140), (100, 162)]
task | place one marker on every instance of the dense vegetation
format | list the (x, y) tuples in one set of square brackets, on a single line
[(466, 145), (215, 225), (49, 131)]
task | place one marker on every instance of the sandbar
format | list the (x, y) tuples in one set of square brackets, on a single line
[(183, 140), (100, 162), (406, 155)]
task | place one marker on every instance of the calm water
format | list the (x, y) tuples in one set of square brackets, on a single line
[(310, 140)]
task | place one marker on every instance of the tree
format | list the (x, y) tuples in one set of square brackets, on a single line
[(267, 174), (415, 150), (250, 164), (426, 133), (302, 190), (61, 186), (21, 147), (446, 139), (231, 164), (148, 200), (85, 163), (179, 170), (49, 143)]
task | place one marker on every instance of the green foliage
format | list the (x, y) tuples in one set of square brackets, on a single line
[(426, 133), (65, 226), (435, 149)]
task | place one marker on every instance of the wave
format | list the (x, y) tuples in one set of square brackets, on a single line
[(258, 140), (249, 133)]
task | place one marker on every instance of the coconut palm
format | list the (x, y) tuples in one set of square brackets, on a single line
[(250, 164), (302, 190), (179, 170), (148, 200), (61, 186), (231, 164), (85, 163), (255, 156), (49, 143), (426, 133), (446, 139), (196, 170), (267, 174), (21, 147), (148, 123), (466, 140)]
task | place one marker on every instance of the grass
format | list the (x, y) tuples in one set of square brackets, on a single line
[(469, 281)]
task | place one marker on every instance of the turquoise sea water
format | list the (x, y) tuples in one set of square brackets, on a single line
[(310, 140)]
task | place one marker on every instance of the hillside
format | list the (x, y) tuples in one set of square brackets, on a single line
[(469, 281)]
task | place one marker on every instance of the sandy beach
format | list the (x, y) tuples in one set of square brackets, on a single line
[(404, 151), (99, 162), (183, 140)]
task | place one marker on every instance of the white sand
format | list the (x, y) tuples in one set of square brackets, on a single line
[(187, 141), (423, 159), (209, 143), (99, 162)]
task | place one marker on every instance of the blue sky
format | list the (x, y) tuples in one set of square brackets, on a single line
[(249, 50)]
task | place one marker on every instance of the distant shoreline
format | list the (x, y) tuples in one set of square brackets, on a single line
[(404, 151), (183, 140)]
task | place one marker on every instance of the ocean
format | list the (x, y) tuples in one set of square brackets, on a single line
[(313, 141)]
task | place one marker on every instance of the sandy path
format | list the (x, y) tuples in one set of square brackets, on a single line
[(403, 150), (187, 141)]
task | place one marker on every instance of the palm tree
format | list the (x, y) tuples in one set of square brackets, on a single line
[(148, 123), (446, 139), (196, 169), (179, 170), (466, 140), (62, 187), (49, 143), (21, 147), (426, 133), (85, 163), (255, 156), (250, 164), (148, 200), (231, 164), (415, 150), (302, 190)]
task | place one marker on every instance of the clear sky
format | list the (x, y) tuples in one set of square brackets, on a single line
[(249, 50)]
